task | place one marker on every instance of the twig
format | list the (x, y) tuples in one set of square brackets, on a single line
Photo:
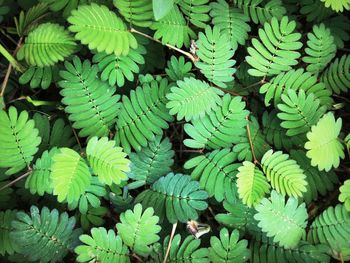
[(250, 141), (170, 241), (341, 257), (187, 54), (137, 257), (16, 180), (13, 63), (228, 91), (76, 136)]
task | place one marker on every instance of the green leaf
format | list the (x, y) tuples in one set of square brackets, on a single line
[(252, 184), (108, 162), (45, 235), (284, 174), (276, 50), (19, 140), (344, 195), (332, 228), (192, 99), (275, 216), (70, 175), (139, 230), (102, 246), (215, 56), (216, 173), (323, 146), (175, 196), (228, 248), (108, 34), (7, 245), (161, 8), (46, 45)]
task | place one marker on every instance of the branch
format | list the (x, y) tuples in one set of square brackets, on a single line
[(13, 62), (170, 241), (187, 54), (17, 179), (250, 141)]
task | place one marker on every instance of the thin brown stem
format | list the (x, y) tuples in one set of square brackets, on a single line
[(341, 257), (9, 69), (137, 257), (76, 137), (187, 54), (16, 180), (251, 142), (170, 241)]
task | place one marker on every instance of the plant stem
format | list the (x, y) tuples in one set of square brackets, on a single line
[(251, 142), (13, 62), (170, 241), (187, 54), (16, 180), (10, 58)]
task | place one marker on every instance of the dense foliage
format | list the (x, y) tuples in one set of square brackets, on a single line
[(174, 131)]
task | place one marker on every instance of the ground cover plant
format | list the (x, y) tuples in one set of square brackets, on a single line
[(174, 131)]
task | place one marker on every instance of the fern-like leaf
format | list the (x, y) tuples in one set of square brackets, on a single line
[(228, 248), (143, 115), (295, 80), (231, 21), (239, 216), (108, 162), (321, 49), (56, 135), (332, 228), (39, 181), (215, 56), (276, 50), (46, 45), (116, 69), (284, 174), (252, 184), (314, 10), (139, 12), (344, 195), (7, 245), (19, 140), (337, 75), (45, 235), (196, 11), (99, 28), (192, 99), (261, 14), (337, 5), (175, 196), (90, 198), (173, 29), (264, 249), (139, 230), (216, 173), (70, 175), (152, 162), (187, 250), (276, 135), (274, 213), (323, 146), (178, 69), (299, 112), (318, 182), (218, 129), (38, 77), (91, 103), (102, 246)]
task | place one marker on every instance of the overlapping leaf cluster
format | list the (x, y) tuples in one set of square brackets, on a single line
[(174, 131)]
